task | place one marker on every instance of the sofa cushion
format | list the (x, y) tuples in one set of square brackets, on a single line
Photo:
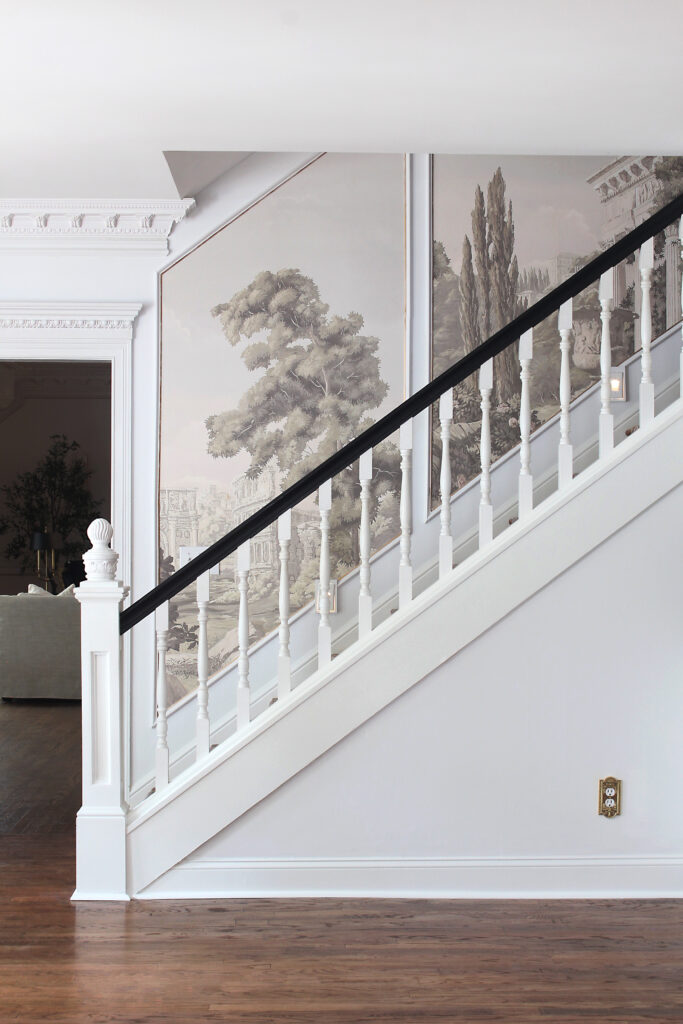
[(40, 649)]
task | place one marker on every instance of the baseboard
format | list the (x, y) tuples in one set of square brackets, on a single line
[(616, 877)]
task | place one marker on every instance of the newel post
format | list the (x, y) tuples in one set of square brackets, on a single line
[(101, 821)]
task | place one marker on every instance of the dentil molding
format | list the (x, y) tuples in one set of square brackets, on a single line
[(124, 225), (83, 316)]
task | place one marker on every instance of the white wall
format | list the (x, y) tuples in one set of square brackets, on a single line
[(485, 775)]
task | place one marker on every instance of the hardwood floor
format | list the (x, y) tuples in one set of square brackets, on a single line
[(40, 766), (304, 961)]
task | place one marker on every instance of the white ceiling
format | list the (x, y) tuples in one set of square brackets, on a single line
[(94, 93)]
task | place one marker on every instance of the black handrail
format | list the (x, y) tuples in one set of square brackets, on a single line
[(421, 400)]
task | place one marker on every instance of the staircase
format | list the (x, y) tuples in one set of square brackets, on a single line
[(604, 475)]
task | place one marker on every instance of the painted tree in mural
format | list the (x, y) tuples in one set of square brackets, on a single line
[(493, 236), (446, 327), (317, 377)]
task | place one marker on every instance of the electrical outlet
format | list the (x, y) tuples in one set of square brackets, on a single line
[(609, 800)]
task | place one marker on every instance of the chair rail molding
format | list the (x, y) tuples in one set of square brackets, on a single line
[(126, 225)]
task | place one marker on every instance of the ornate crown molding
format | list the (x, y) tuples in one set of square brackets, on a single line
[(125, 225), (117, 316)]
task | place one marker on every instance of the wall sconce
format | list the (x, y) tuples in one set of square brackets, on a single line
[(332, 593), (617, 383)]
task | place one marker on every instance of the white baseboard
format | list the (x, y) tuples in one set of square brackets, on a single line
[(439, 877)]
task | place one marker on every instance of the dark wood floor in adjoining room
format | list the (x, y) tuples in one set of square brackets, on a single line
[(304, 961)]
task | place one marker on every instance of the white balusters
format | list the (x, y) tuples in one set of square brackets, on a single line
[(565, 454), (526, 481), (606, 421), (445, 540), (203, 724), (647, 388), (284, 669), (405, 570), (364, 596), (485, 506), (324, 628), (161, 753), (243, 694)]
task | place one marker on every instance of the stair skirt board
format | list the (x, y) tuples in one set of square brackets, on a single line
[(332, 704), (438, 877)]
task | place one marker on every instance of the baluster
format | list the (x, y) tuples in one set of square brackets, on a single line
[(324, 628), (405, 570), (565, 453), (445, 540), (284, 669), (526, 481), (243, 695), (647, 388), (161, 754), (203, 724), (364, 596), (606, 421), (485, 506)]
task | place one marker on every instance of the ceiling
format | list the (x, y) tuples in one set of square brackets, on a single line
[(93, 95)]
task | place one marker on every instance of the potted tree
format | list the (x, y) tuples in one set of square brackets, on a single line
[(49, 509)]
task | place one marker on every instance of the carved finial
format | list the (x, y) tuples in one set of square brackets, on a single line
[(100, 562)]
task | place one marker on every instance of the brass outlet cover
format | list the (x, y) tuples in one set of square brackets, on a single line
[(609, 800)]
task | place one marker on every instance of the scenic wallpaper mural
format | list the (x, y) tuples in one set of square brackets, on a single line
[(507, 229), (283, 336)]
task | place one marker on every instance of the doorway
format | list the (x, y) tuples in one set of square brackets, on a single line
[(55, 417)]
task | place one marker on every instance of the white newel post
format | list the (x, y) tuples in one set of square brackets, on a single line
[(161, 753), (485, 506), (647, 388), (101, 821), (565, 451), (203, 721), (405, 570), (243, 691), (526, 480), (606, 421), (324, 628), (364, 544), (445, 539), (284, 667)]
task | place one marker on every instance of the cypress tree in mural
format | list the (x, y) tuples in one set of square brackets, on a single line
[(481, 257), (493, 235), (504, 284), (469, 308), (318, 378)]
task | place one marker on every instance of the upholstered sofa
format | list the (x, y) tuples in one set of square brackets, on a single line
[(40, 645)]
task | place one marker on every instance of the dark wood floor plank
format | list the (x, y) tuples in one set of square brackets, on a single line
[(296, 961)]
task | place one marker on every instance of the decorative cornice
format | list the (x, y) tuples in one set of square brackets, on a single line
[(125, 225), (68, 316), (625, 173)]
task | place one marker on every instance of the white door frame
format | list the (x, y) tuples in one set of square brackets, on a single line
[(89, 332), (86, 332)]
